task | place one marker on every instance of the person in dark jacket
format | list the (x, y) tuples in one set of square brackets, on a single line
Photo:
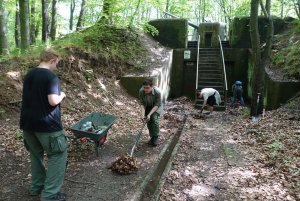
[(42, 128), (150, 98), (237, 91)]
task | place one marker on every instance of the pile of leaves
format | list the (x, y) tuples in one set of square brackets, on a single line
[(124, 165)]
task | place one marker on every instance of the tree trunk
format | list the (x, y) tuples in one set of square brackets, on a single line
[(282, 6), (106, 11), (72, 8), (268, 6), (297, 7), (32, 23), (24, 24), (17, 26), (167, 5), (258, 71), (203, 11), (135, 13), (80, 18), (45, 20), (3, 37), (53, 21)]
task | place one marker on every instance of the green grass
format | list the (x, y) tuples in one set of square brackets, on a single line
[(286, 56)]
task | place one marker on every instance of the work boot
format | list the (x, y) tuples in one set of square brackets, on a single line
[(57, 197), (155, 141)]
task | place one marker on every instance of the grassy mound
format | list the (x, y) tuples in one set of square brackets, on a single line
[(285, 51)]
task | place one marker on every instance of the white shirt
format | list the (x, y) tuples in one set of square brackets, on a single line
[(207, 92)]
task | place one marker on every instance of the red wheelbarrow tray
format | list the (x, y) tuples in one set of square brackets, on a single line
[(99, 120)]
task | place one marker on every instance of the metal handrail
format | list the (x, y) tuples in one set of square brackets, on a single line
[(197, 62), (223, 62)]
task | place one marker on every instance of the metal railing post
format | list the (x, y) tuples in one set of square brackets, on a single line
[(198, 42), (224, 70)]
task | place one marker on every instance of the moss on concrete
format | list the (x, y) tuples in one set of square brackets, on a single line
[(173, 33), (239, 30), (236, 62), (213, 28), (176, 81), (278, 93)]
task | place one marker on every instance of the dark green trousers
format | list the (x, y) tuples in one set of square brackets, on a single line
[(153, 125), (48, 182)]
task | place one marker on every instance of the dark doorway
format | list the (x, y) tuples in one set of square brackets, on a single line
[(208, 39)]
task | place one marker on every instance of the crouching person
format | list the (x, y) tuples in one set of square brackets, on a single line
[(150, 97), (42, 128), (210, 97)]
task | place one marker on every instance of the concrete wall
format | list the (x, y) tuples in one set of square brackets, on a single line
[(213, 28), (160, 76), (236, 64), (278, 93), (173, 33), (239, 30)]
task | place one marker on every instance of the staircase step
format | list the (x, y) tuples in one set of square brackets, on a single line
[(205, 82), (211, 71), (210, 75), (213, 66), (218, 88), (216, 107)]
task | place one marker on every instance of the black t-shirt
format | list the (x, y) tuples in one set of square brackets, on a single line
[(36, 113)]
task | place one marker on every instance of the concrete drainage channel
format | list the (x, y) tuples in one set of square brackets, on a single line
[(151, 186)]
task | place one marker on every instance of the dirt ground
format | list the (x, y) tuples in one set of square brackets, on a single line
[(222, 158)]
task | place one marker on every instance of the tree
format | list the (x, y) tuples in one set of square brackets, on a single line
[(45, 20), (53, 21), (259, 60), (24, 24), (106, 11), (33, 22), (17, 26), (3, 37), (72, 9), (80, 18), (297, 7), (135, 12)]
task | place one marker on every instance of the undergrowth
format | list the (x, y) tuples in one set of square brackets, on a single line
[(286, 50)]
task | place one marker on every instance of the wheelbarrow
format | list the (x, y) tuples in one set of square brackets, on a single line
[(101, 123)]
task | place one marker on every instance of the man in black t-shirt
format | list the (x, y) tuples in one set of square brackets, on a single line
[(42, 128)]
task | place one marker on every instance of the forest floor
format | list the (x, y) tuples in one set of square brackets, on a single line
[(229, 157), (223, 157)]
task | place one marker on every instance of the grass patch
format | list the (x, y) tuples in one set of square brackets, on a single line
[(286, 47)]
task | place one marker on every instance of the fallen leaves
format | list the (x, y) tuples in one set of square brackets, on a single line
[(124, 165)]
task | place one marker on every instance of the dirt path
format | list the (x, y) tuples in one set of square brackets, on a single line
[(216, 162)]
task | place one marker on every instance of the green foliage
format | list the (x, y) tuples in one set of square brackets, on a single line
[(150, 29), (275, 147), (19, 134), (286, 55), (89, 74), (245, 112)]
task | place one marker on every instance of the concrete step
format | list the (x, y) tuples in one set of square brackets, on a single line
[(216, 107), (200, 101), (209, 49), (216, 87), (211, 79), (209, 82), (210, 71), (209, 67), (209, 62), (210, 75)]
